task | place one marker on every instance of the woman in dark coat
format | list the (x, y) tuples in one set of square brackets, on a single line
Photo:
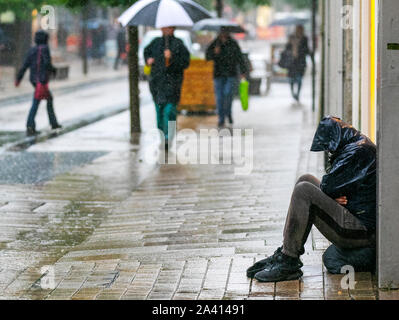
[(298, 46), (39, 71), (168, 57)]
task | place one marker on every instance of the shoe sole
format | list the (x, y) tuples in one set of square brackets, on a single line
[(293, 276)]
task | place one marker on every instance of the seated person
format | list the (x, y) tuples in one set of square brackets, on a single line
[(342, 207)]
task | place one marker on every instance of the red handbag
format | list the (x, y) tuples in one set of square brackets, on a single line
[(42, 91)]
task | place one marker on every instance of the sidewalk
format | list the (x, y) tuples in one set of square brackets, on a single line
[(122, 228)]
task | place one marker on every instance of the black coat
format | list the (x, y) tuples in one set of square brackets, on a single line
[(166, 82), (298, 66), (45, 66), (352, 171), (228, 61)]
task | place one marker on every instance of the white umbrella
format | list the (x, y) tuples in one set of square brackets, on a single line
[(164, 13)]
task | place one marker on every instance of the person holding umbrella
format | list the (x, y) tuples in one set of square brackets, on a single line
[(227, 57), (168, 57)]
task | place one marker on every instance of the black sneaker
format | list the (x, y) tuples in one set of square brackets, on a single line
[(56, 127), (262, 264), (283, 268), (230, 119)]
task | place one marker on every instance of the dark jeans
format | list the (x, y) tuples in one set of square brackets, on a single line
[(297, 80), (33, 110), (224, 91), (310, 206)]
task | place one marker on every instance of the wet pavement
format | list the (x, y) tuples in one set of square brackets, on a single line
[(97, 99), (16, 168), (117, 226)]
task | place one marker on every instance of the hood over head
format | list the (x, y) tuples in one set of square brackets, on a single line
[(333, 134), (41, 37)]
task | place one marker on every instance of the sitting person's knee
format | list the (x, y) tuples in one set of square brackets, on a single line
[(303, 189), (305, 178)]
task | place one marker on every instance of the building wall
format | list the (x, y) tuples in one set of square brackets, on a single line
[(388, 145), (333, 59), (374, 91), (350, 63)]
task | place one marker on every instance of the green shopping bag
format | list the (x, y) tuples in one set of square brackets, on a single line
[(244, 89)]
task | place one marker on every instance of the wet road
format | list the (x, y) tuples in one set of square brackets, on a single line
[(68, 106)]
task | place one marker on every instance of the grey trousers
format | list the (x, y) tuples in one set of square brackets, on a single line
[(311, 206)]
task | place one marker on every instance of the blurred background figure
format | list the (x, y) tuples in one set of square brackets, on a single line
[(38, 60), (298, 46), (228, 59), (121, 46), (168, 57), (99, 37)]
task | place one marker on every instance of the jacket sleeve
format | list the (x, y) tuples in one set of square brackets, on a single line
[(25, 66), (210, 53), (347, 173), (305, 47), (148, 51), (240, 60), (47, 60)]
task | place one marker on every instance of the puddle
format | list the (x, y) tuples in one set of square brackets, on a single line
[(11, 136), (37, 167)]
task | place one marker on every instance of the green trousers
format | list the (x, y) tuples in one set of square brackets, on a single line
[(166, 113)]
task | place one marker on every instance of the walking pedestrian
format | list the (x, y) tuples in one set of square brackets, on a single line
[(298, 47), (121, 44), (342, 207), (228, 58), (168, 57), (38, 60)]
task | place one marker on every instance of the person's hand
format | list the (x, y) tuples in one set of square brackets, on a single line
[(16, 83), (217, 50), (150, 61), (343, 201), (168, 54)]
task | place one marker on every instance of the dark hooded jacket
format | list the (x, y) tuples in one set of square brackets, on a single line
[(31, 62), (352, 171), (229, 61), (166, 82)]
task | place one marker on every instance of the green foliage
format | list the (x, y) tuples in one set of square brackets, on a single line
[(106, 3), (241, 3), (207, 4), (245, 5), (23, 8), (298, 4)]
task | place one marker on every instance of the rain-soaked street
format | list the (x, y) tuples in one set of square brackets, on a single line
[(86, 216)]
